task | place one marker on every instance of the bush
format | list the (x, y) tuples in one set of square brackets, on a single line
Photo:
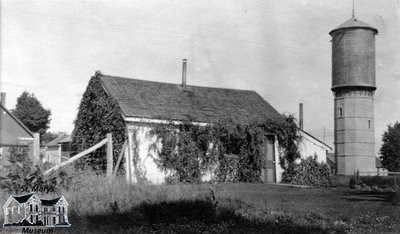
[(308, 172), (376, 183), (22, 176), (98, 115)]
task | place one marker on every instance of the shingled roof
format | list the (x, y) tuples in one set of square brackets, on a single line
[(157, 100), (50, 202), (23, 198)]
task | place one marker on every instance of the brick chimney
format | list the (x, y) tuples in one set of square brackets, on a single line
[(3, 99)]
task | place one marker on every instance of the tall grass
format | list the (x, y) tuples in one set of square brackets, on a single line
[(97, 204)]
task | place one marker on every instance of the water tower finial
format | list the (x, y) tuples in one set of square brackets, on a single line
[(353, 15)]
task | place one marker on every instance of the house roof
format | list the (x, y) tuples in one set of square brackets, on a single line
[(50, 202), (23, 198), (58, 140), (66, 139), (16, 120), (353, 23), (165, 101), (330, 159), (321, 142), (378, 163)]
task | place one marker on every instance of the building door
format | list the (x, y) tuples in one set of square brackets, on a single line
[(268, 171)]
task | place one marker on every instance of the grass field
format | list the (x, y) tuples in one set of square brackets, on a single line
[(96, 206)]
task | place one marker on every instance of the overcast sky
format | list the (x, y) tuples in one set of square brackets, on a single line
[(280, 48)]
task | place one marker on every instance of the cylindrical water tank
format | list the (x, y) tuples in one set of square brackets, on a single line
[(353, 55)]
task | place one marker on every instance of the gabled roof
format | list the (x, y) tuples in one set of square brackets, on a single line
[(50, 202), (16, 119), (313, 137), (354, 23), (165, 101), (23, 198), (66, 139), (58, 140)]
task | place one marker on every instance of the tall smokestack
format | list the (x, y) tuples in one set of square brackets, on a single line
[(184, 73), (301, 116), (3, 99)]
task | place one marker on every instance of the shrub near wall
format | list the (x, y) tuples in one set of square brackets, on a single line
[(308, 172)]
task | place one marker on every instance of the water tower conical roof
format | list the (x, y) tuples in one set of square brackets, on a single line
[(353, 23)]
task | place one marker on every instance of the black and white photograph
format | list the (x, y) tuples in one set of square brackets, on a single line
[(200, 116)]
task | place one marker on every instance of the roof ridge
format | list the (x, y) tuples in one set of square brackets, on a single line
[(161, 100), (160, 82)]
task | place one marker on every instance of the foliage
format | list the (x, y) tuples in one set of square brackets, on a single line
[(235, 149), (21, 175), (377, 183), (31, 112), (98, 115), (308, 172), (390, 150)]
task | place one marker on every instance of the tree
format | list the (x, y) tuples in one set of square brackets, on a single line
[(390, 150), (31, 112)]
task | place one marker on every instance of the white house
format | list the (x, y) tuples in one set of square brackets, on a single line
[(29, 209), (144, 104), (57, 150)]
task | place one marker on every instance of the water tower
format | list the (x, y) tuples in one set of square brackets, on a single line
[(353, 86)]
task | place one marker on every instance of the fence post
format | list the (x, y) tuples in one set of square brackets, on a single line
[(36, 147), (109, 155)]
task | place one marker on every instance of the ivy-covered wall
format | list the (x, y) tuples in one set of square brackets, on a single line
[(98, 115), (223, 151)]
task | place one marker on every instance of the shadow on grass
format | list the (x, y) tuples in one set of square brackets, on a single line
[(188, 216)]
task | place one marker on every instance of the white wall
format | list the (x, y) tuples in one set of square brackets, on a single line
[(146, 165), (308, 146), (149, 169)]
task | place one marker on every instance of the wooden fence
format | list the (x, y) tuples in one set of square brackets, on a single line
[(109, 144)]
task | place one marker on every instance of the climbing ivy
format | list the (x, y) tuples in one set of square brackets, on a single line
[(235, 149), (98, 115)]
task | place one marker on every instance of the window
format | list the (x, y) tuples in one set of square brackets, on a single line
[(31, 218), (59, 209), (54, 220), (30, 207), (1, 151), (369, 124), (37, 208), (340, 112), (63, 210)]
